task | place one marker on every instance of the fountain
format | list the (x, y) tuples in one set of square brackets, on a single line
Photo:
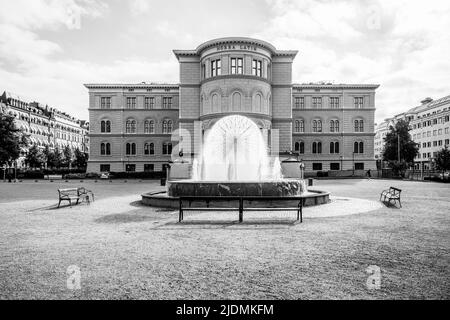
[(234, 161)]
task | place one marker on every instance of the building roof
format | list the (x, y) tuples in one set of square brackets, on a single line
[(234, 40), (429, 105), (141, 85), (322, 85)]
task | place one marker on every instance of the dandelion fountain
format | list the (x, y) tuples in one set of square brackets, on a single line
[(234, 161)]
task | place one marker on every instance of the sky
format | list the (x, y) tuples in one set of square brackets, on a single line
[(50, 48)]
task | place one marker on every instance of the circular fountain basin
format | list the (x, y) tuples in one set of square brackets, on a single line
[(274, 188), (277, 188)]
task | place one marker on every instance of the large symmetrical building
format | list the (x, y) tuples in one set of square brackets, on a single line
[(45, 126), (430, 128), (329, 126)]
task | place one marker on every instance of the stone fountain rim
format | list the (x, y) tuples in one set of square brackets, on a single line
[(234, 181)]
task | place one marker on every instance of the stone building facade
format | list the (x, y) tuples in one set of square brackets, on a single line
[(430, 128), (328, 126), (44, 125)]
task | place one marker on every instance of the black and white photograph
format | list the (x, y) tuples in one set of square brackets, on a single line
[(224, 156)]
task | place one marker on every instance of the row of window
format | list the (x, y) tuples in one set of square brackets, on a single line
[(299, 126), (316, 147), (131, 167), (131, 125), (317, 166), (436, 143), (149, 102), (236, 67), (299, 102), (430, 123), (130, 148), (428, 133)]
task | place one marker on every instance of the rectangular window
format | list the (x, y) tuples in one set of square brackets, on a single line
[(335, 166), (105, 168), (131, 103), (149, 102), (203, 71), (317, 166), (130, 168), (257, 68), (317, 102), (149, 167), (359, 102), (359, 166), (236, 65), (334, 102), (216, 68), (167, 103), (105, 102)]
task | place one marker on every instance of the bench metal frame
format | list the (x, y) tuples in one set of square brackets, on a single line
[(392, 194), (240, 209), (72, 194)]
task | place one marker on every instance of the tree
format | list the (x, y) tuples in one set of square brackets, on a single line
[(67, 159), (55, 159), (12, 140), (35, 158), (48, 156), (443, 159), (400, 157), (80, 159)]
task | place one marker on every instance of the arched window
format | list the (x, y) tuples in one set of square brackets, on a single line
[(130, 149), (130, 126), (167, 148), (334, 147), (300, 147), (332, 126), (167, 126), (299, 126), (215, 102), (105, 149), (336, 125), (149, 148), (236, 101), (105, 126), (317, 147), (317, 126), (149, 126), (361, 147), (359, 125), (258, 103)]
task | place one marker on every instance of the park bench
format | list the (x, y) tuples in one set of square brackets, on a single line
[(75, 194), (391, 194), (240, 208)]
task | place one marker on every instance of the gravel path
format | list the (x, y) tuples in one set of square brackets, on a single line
[(127, 251)]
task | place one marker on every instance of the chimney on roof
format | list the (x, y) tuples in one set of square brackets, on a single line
[(426, 100)]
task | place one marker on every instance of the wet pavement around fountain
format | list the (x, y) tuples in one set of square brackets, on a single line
[(126, 250)]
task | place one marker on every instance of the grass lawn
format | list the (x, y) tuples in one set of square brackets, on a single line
[(127, 251)]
